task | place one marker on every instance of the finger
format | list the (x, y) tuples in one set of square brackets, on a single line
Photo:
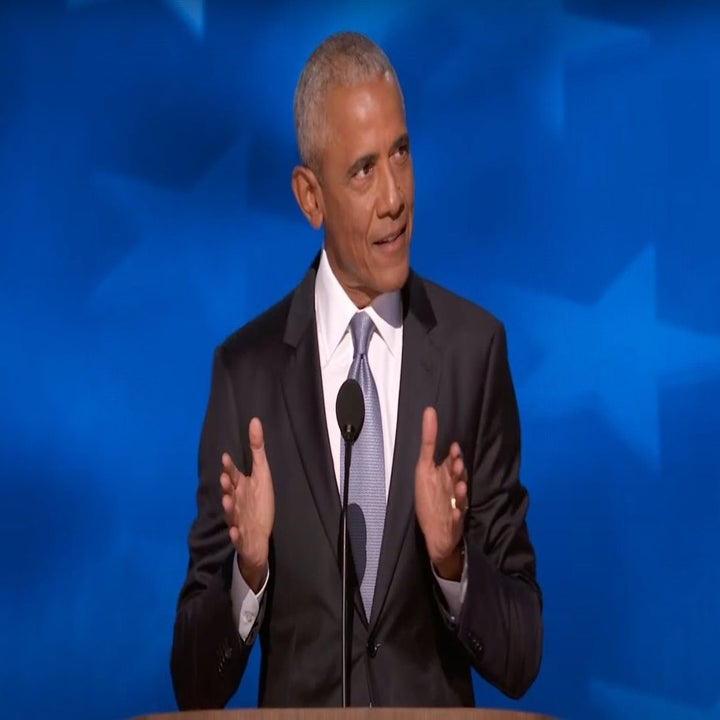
[(457, 468), (428, 436), (226, 484), (230, 468), (455, 451), (460, 495), (257, 444), (228, 505)]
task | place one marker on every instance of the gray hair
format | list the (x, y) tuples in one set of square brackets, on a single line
[(341, 60)]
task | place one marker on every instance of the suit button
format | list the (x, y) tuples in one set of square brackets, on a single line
[(372, 648), (228, 653), (476, 644)]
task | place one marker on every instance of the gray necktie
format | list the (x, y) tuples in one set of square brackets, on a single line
[(366, 494)]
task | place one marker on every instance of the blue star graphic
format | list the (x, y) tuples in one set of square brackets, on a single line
[(206, 247), (626, 704), (574, 38), (610, 355), (531, 45), (191, 12)]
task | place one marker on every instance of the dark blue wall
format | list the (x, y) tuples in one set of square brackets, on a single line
[(568, 178)]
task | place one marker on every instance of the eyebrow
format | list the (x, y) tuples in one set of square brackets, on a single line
[(371, 158)]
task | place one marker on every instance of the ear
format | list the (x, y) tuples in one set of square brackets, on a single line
[(308, 193)]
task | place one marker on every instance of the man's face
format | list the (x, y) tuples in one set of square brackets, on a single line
[(367, 188)]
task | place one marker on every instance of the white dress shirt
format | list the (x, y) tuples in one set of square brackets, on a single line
[(333, 312)]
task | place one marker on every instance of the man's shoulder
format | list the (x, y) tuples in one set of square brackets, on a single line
[(261, 336), (266, 334), (454, 312)]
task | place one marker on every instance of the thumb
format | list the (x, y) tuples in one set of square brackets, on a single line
[(257, 444), (428, 437)]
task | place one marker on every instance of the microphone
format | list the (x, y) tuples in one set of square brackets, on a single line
[(350, 412)]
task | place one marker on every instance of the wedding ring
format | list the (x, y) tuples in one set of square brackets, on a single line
[(453, 504)]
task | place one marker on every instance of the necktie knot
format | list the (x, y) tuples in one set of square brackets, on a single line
[(361, 329)]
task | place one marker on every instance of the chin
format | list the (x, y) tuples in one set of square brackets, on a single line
[(394, 279)]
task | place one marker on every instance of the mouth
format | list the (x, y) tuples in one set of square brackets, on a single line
[(393, 240)]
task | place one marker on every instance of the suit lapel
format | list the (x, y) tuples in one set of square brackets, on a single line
[(418, 388), (302, 388)]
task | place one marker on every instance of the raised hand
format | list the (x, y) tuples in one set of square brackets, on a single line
[(440, 500), (249, 506)]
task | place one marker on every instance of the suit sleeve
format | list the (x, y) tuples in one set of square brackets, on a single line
[(500, 623), (208, 656)]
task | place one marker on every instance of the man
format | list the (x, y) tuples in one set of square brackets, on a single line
[(445, 569)]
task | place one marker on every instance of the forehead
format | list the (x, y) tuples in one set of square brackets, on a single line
[(363, 118)]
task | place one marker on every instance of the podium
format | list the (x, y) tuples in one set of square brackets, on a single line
[(349, 714)]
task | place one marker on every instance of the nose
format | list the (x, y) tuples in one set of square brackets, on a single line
[(391, 201)]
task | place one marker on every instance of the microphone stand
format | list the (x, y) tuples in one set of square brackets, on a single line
[(350, 411), (345, 563)]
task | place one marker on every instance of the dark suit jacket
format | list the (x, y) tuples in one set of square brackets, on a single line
[(408, 653)]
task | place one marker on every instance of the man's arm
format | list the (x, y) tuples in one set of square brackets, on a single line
[(475, 534), (208, 655), (500, 622)]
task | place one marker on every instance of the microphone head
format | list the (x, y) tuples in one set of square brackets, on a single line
[(350, 410)]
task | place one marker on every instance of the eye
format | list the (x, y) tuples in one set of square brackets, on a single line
[(365, 170), (403, 151)]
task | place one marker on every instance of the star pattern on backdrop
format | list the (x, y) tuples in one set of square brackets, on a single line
[(180, 223), (576, 38), (206, 246), (611, 355), (547, 34)]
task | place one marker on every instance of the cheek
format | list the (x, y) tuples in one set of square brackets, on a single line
[(362, 232)]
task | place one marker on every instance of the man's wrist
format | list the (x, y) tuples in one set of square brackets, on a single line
[(253, 575), (451, 567)]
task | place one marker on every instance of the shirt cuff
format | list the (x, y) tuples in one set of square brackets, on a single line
[(453, 590), (245, 603)]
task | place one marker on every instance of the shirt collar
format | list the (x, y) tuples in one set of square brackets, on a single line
[(334, 310)]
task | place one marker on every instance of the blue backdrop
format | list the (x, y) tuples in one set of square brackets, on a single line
[(567, 162)]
